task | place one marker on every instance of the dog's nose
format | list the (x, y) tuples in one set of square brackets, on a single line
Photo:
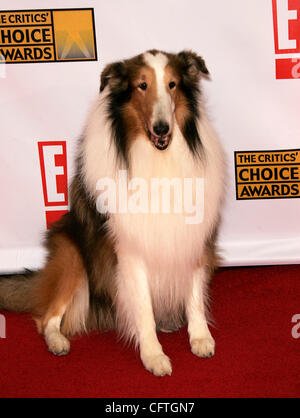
[(161, 128)]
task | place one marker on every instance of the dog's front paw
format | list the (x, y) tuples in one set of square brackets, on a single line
[(58, 344), (203, 347), (159, 365)]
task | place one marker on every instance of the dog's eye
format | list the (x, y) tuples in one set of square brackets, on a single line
[(172, 84), (143, 86)]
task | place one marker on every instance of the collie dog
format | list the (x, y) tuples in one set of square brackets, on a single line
[(137, 271)]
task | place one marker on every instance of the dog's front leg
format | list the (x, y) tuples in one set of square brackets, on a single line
[(135, 313), (202, 343)]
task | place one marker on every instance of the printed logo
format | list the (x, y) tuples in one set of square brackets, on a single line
[(286, 20), (53, 163), (57, 35), (267, 174)]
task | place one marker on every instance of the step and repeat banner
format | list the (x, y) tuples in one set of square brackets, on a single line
[(51, 56)]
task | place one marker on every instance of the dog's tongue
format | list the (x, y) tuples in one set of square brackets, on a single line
[(160, 143)]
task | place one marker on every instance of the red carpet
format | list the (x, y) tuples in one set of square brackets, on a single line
[(256, 355)]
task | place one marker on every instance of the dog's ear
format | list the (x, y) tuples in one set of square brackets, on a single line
[(193, 64), (114, 75)]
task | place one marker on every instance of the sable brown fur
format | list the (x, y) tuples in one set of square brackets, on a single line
[(58, 281), (85, 227)]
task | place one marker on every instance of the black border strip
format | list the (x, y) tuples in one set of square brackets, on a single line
[(235, 170), (53, 35), (267, 164), (24, 26), (269, 182), (47, 61), (24, 45), (268, 198), (94, 29)]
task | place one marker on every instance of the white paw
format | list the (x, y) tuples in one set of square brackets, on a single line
[(159, 365), (58, 344), (203, 347)]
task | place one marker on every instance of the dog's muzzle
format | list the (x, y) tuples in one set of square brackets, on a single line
[(160, 142)]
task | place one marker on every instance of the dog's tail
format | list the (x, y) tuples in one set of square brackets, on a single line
[(17, 292)]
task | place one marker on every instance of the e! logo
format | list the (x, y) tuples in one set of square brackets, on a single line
[(286, 20), (53, 162)]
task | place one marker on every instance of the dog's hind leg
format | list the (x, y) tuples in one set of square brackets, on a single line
[(62, 295)]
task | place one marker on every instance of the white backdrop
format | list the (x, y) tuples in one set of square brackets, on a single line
[(249, 107)]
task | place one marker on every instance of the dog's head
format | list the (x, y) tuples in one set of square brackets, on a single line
[(152, 90)]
